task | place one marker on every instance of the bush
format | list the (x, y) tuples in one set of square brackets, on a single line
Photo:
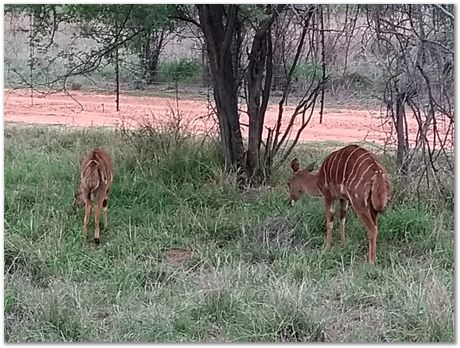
[(181, 70), (307, 71)]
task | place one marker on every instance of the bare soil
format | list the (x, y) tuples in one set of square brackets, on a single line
[(178, 256), (80, 108)]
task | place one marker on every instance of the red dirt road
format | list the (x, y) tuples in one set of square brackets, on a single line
[(90, 109)]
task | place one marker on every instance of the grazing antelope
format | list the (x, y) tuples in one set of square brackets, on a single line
[(95, 179), (350, 174)]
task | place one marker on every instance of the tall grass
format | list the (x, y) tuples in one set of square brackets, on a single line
[(187, 257)]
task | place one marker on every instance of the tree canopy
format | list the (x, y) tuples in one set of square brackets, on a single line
[(254, 50)]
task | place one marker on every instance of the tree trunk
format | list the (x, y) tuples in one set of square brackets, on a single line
[(260, 61), (117, 78), (218, 43), (154, 45), (204, 67), (401, 134), (259, 81)]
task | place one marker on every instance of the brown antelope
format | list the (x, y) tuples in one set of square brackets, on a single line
[(350, 174), (96, 176)]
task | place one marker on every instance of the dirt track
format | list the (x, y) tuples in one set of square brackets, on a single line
[(89, 109)]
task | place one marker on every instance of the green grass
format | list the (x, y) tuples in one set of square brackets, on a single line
[(179, 70), (258, 272)]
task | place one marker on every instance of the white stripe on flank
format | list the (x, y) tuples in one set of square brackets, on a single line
[(357, 170), (338, 167), (362, 176), (353, 168), (346, 164), (331, 164), (326, 161)]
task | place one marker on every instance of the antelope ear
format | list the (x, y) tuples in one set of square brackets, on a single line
[(311, 167), (295, 165)]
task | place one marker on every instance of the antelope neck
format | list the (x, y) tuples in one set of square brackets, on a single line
[(317, 191), (311, 183)]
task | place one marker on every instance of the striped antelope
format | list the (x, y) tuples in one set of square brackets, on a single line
[(350, 174), (95, 179)]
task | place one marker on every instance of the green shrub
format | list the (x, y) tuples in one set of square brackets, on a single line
[(181, 70), (307, 70)]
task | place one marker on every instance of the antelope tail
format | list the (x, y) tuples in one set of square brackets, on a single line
[(380, 192), (91, 175)]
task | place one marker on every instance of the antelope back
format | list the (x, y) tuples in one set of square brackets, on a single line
[(96, 175), (350, 172), (99, 160)]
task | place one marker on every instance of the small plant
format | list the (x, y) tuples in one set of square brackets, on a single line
[(181, 70), (307, 71)]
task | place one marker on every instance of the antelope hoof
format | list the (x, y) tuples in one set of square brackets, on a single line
[(97, 241)]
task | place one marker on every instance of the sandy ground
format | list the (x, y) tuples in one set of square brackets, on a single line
[(90, 109)]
